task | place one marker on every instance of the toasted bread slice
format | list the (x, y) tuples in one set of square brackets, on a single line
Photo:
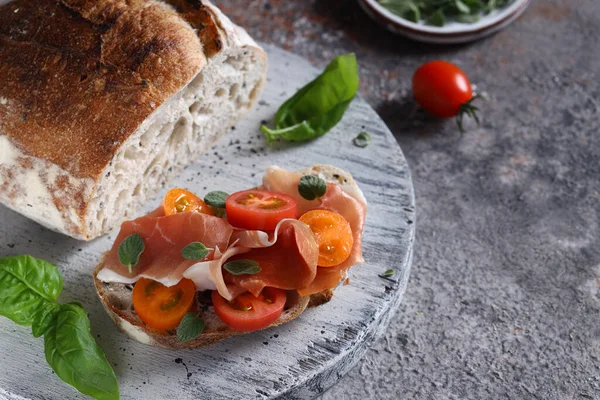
[(116, 297)]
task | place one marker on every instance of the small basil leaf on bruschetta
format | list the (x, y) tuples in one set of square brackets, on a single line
[(318, 106), (216, 199), (310, 187), (242, 267), (130, 250), (190, 327), (195, 251), (26, 284)]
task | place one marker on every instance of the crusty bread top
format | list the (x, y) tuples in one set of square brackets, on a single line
[(77, 77)]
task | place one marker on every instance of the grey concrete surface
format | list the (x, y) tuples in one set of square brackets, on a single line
[(504, 297)]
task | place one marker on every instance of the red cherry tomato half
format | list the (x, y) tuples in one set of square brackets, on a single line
[(441, 88), (259, 209), (247, 313)]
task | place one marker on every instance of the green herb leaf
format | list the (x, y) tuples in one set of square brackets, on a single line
[(28, 291), (26, 284), (387, 273), (362, 140), (74, 355), (318, 106), (406, 9), (44, 318), (462, 7), (435, 12), (195, 251), (242, 267), (310, 187), (437, 18), (474, 5), (216, 199), (130, 250), (190, 327)]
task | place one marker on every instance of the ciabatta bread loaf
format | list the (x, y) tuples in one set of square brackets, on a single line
[(103, 101)]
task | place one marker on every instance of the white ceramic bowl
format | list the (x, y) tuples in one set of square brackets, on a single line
[(452, 32)]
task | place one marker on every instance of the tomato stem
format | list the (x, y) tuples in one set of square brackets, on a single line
[(469, 109)]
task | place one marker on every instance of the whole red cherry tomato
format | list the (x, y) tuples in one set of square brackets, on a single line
[(444, 90)]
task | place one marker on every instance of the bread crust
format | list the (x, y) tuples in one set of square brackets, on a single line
[(77, 80), (90, 76)]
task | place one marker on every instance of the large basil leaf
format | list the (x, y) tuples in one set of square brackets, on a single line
[(74, 355), (318, 106), (44, 318), (26, 284)]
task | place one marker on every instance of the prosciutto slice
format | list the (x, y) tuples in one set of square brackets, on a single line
[(208, 275), (290, 262), (335, 199), (164, 238), (257, 239)]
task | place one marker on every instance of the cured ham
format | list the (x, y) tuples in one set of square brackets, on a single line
[(208, 275), (164, 238), (256, 239), (350, 206), (289, 263), (295, 243)]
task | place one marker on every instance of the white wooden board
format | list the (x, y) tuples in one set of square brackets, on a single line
[(297, 360)]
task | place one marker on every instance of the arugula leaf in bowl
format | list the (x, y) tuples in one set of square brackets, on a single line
[(438, 12)]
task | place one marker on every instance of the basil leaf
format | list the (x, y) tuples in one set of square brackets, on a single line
[(310, 187), (216, 199), (318, 106), (190, 327), (362, 140), (242, 267), (195, 251), (26, 284), (74, 355), (44, 318), (130, 250), (387, 273)]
